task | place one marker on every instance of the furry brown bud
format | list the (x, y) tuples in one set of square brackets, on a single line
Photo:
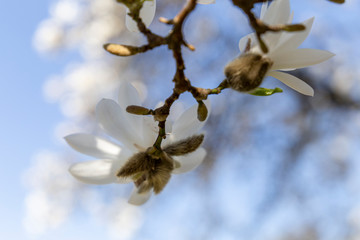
[(247, 72), (185, 146), (152, 169), (148, 172)]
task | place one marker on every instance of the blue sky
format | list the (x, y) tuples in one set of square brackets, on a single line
[(27, 121)]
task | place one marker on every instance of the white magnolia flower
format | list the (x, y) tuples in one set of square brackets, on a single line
[(147, 14), (283, 46), (136, 134)]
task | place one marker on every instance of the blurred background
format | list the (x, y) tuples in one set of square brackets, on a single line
[(283, 167)]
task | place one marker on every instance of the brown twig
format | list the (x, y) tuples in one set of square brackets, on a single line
[(174, 40)]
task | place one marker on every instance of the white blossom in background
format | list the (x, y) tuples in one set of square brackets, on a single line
[(136, 134), (82, 24), (50, 202), (147, 14), (283, 46), (55, 194), (85, 25)]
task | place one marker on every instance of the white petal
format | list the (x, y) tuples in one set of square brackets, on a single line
[(113, 120), (205, 1), (168, 127), (277, 13), (300, 58), (190, 161), (150, 132), (147, 14), (188, 124), (264, 8), (93, 146), (293, 82), (244, 40), (292, 40), (271, 40), (94, 172), (139, 199), (291, 18), (128, 95), (99, 171)]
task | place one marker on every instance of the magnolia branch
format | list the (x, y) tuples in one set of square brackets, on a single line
[(259, 26), (175, 40)]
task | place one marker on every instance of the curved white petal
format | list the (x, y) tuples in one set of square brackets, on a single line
[(205, 1), (188, 124), (293, 82), (113, 120), (271, 40), (190, 161), (147, 14), (300, 58), (244, 40), (292, 40), (98, 172), (94, 172), (128, 95), (150, 132), (93, 146), (264, 8), (277, 13), (139, 198)]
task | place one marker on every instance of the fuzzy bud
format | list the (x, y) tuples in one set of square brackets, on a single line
[(185, 146), (121, 50), (247, 72), (138, 110), (202, 111), (151, 170), (148, 172)]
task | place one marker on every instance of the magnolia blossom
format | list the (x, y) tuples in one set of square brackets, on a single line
[(283, 46), (135, 134), (147, 14)]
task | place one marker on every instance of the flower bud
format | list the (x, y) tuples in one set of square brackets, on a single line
[(202, 111), (121, 50), (294, 27), (148, 172), (247, 72), (185, 146), (138, 110)]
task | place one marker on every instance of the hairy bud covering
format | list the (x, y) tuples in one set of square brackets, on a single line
[(147, 171), (152, 169), (185, 146), (247, 72)]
